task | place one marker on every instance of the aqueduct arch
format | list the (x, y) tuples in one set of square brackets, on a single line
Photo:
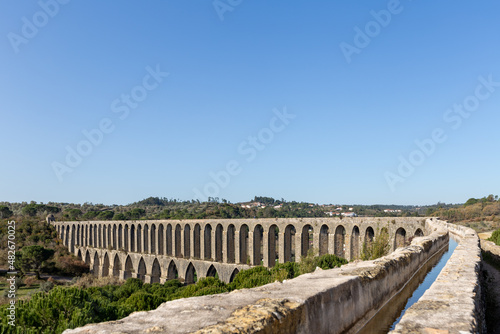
[(117, 266)]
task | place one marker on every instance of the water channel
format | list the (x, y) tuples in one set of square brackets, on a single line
[(391, 313)]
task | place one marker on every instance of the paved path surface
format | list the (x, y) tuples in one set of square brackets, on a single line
[(485, 235)]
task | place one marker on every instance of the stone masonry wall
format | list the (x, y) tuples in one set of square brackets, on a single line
[(492, 249)]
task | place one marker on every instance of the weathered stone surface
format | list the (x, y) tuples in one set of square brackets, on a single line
[(266, 316), (492, 249)]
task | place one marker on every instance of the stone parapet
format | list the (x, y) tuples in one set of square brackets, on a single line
[(491, 250)]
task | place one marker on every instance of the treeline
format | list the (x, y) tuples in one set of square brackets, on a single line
[(160, 208), (71, 307), (213, 208)]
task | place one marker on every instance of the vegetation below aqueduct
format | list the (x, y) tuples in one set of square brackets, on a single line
[(82, 304)]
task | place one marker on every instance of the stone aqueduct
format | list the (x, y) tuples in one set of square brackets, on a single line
[(158, 250)]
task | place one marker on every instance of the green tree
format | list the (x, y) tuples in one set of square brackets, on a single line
[(106, 215), (5, 212), (89, 215), (73, 213), (32, 258), (29, 210), (119, 216), (52, 209), (136, 213)]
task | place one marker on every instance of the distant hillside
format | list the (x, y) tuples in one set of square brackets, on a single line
[(481, 214)]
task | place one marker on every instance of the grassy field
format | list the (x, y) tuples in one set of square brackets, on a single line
[(21, 292), (481, 226)]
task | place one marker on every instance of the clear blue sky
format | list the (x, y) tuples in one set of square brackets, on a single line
[(359, 100)]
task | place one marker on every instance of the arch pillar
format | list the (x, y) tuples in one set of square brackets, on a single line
[(156, 237), (85, 235), (214, 242), (191, 240), (140, 238), (114, 236), (202, 242), (331, 242), (347, 242), (121, 275), (281, 245), (82, 236), (71, 239), (224, 245), (120, 239), (250, 245), (103, 237), (183, 232), (237, 258), (126, 238), (298, 244), (316, 242), (265, 247), (63, 235), (77, 240), (97, 273)]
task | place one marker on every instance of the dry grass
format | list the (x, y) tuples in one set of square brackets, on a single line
[(88, 280), (481, 226)]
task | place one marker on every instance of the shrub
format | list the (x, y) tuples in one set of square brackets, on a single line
[(89, 280), (329, 261), (143, 301), (131, 285), (495, 237), (46, 286), (19, 282), (205, 286), (30, 280), (291, 269), (250, 278), (54, 312), (378, 247), (307, 263), (71, 265)]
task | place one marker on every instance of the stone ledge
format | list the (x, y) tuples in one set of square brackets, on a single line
[(492, 249)]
